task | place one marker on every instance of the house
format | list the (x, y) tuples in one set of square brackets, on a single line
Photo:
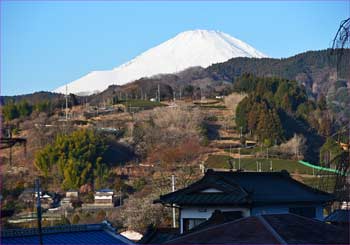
[(46, 200), (27, 196), (102, 233), (66, 203), (246, 194), (72, 194), (345, 205), (266, 229), (104, 197)]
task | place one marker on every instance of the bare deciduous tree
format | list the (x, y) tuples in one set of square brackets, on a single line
[(231, 101), (295, 146)]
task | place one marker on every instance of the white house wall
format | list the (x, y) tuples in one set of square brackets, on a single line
[(206, 212), (104, 197)]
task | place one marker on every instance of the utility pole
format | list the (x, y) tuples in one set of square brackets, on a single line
[(267, 151), (271, 165), (173, 189), (120, 197), (10, 157), (201, 96), (158, 93), (66, 103), (38, 208), (202, 168), (239, 159)]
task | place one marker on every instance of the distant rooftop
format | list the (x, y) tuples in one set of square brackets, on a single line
[(68, 234), (104, 190)]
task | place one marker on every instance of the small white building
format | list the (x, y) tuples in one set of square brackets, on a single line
[(66, 203), (104, 196), (72, 194)]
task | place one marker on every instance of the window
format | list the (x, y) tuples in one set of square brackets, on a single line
[(309, 212), (188, 224)]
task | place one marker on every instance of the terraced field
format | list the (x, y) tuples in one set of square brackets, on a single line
[(224, 142)]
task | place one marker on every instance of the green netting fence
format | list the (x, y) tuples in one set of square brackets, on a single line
[(322, 168)]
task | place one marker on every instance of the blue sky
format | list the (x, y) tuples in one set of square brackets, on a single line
[(47, 44)]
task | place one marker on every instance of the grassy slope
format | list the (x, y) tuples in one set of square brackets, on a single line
[(221, 161), (141, 103)]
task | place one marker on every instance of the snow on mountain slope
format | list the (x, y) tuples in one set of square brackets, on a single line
[(187, 49)]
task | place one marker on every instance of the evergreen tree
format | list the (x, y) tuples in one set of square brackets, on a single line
[(10, 112), (24, 109), (329, 151), (241, 114), (79, 159)]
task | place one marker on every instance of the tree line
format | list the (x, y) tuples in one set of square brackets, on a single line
[(276, 109), (261, 112), (23, 109)]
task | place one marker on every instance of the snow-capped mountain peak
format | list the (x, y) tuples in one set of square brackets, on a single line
[(187, 49)]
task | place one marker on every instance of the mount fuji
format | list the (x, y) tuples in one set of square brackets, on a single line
[(187, 49)]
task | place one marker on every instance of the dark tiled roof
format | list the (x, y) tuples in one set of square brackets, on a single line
[(268, 229), (341, 216), (246, 188), (231, 193), (159, 235), (105, 190), (243, 231), (72, 234), (296, 229)]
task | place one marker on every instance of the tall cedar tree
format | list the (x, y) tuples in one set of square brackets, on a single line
[(79, 158)]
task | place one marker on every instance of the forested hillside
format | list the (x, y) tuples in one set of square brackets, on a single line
[(316, 70), (277, 109), (323, 78)]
